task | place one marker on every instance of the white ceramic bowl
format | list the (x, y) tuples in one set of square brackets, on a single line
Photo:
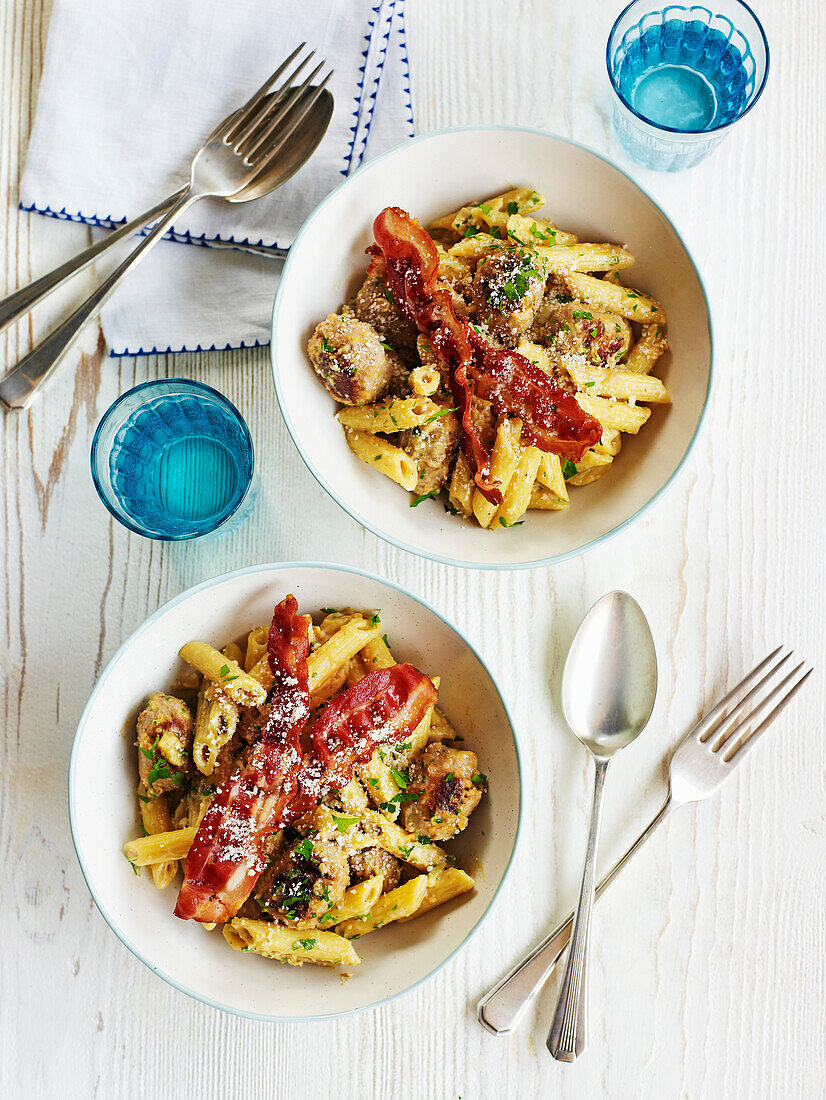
[(429, 176), (102, 808)]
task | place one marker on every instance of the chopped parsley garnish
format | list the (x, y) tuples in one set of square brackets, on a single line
[(305, 848), (495, 231), (483, 206), (424, 840), (344, 823), (441, 412), (150, 753), (416, 501), (582, 313), (374, 620), (372, 781), (451, 511), (327, 346), (568, 469), (384, 639), (472, 230), (308, 944), (143, 798), (209, 791), (516, 523), (588, 385), (385, 345), (401, 778), (478, 777), (329, 611), (513, 207), (160, 770), (388, 294), (402, 796)]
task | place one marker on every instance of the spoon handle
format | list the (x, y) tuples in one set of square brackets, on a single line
[(25, 298), (502, 1008), (19, 387), (567, 1037)]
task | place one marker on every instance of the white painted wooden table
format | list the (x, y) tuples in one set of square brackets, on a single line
[(709, 961)]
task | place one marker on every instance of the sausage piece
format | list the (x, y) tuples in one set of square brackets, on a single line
[(443, 781), (348, 356), (164, 740), (375, 861), (507, 290), (305, 880), (376, 305)]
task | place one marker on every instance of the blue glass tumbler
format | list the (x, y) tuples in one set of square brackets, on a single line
[(173, 459), (682, 77)]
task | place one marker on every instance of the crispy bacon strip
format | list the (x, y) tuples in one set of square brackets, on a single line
[(225, 858), (280, 783), (383, 708), (551, 418)]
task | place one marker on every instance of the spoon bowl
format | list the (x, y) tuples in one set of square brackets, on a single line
[(294, 154), (610, 680)]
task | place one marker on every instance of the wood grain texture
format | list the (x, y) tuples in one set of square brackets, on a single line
[(709, 958)]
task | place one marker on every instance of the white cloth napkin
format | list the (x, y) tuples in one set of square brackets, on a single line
[(130, 90)]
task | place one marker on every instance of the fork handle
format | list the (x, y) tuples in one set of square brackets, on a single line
[(20, 386), (20, 301), (501, 1010)]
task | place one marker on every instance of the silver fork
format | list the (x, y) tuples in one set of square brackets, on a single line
[(701, 763), (238, 151)]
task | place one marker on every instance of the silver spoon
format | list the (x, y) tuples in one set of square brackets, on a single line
[(608, 691), (249, 154)]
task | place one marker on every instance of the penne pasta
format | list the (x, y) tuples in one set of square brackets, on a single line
[(392, 906), (384, 457), (564, 258), (628, 303), (504, 460), (645, 353), (442, 886), (396, 415), (460, 493), (518, 494), (256, 647), (615, 414), (398, 842), (334, 655), (289, 945), (546, 499), (549, 474), (145, 851), (590, 467), (156, 818), (227, 674), (425, 380), (536, 232), (625, 384)]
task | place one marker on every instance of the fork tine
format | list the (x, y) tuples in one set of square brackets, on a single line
[(732, 722), (261, 153), (709, 722), (738, 752), (735, 724), (275, 112), (252, 113)]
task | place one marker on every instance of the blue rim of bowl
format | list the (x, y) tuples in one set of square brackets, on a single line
[(123, 519), (537, 563), (673, 129), (211, 583)]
